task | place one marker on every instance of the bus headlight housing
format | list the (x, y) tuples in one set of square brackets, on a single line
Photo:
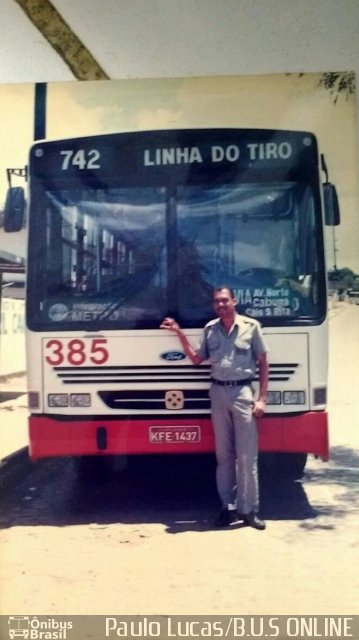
[(58, 400), (294, 397), (274, 397), (80, 400)]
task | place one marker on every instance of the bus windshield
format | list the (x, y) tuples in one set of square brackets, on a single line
[(123, 257)]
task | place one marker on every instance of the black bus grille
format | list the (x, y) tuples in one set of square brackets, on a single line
[(157, 374), (150, 400), (125, 375)]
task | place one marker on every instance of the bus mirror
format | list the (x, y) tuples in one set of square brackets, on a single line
[(331, 205), (14, 209)]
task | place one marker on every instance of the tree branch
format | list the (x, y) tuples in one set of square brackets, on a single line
[(59, 35)]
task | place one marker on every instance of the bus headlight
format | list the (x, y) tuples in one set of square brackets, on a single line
[(274, 397), (58, 400), (294, 397), (80, 400)]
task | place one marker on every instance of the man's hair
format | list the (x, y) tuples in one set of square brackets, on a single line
[(225, 286)]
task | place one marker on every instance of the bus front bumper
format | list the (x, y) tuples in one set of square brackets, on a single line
[(52, 436)]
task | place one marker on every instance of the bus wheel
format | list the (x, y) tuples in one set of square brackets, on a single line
[(288, 465)]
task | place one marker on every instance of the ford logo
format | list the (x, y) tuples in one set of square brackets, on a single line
[(173, 355)]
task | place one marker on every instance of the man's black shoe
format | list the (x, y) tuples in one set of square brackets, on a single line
[(252, 520), (225, 518)]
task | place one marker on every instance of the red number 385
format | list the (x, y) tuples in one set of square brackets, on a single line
[(76, 352)]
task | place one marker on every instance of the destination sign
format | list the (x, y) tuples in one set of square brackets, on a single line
[(142, 153), (230, 153)]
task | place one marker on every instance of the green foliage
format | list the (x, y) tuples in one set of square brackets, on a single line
[(344, 279), (339, 83)]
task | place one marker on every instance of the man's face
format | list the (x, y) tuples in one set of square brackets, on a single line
[(224, 304)]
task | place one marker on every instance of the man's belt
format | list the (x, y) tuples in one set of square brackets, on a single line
[(232, 383)]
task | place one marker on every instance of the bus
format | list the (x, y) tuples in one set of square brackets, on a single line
[(127, 228)]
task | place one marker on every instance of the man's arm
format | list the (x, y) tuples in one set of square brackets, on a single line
[(171, 325), (259, 405)]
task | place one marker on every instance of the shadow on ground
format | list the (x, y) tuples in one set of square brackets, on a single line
[(178, 491), (340, 475)]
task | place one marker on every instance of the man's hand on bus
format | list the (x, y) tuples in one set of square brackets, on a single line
[(259, 408), (170, 324)]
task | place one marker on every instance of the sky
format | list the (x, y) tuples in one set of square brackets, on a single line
[(287, 101)]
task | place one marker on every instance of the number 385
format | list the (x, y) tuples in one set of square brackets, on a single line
[(76, 352)]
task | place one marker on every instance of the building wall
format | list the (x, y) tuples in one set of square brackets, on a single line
[(12, 344)]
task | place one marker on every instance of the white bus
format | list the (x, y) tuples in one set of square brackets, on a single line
[(127, 228)]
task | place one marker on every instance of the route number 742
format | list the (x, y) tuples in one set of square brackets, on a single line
[(76, 352), (82, 159)]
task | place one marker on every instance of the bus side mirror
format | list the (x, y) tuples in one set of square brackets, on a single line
[(14, 211), (331, 205)]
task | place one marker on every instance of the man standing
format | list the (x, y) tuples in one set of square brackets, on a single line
[(234, 345)]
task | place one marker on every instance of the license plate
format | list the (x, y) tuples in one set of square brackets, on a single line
[(175, 435)]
